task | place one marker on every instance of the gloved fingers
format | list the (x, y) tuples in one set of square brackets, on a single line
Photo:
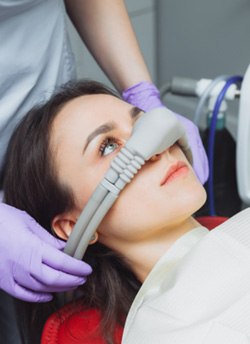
[(145, 95), (32, 272), (22, 221), (44, 235), (42, 278), (28, 295), (49, 280), (200, 160), (62, 262)]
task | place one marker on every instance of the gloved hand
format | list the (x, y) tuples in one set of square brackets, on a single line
[(31, 263), (146, 96)]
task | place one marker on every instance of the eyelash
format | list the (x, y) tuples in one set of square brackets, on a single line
[(107, 141)]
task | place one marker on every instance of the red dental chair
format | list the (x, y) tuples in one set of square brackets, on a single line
[(74, 325)]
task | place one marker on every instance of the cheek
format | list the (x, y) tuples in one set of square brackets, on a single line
[(141, 208), (143, 204), (124, 218), (192, 199), (86, 182)]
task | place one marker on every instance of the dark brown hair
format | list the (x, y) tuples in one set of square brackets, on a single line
[(30, 183)]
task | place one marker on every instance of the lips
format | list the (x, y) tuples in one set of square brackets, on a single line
[(177, 167)]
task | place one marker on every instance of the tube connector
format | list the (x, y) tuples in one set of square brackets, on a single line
[(202, 84), (196, 88)]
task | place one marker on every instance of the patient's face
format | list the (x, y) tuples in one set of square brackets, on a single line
[(87, 134)]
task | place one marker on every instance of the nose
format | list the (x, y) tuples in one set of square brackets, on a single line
[(155, 157)]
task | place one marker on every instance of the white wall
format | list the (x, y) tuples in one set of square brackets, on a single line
[(199, 38), (142, 14)]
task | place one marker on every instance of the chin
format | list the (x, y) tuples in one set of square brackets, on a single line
[(201, 198), (194, 199)]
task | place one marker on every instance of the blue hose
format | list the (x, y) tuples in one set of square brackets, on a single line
[(211, 140)]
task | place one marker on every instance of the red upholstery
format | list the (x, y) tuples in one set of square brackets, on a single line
[(75, 325), (211, 221)]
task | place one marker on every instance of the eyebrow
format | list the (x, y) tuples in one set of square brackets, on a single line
[(109, 126)]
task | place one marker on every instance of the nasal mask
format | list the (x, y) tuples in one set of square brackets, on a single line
[(153, 133)]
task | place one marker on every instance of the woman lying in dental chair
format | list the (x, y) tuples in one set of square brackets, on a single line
[(156, 271)]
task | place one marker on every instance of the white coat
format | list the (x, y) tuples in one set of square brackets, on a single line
[(35, 57)]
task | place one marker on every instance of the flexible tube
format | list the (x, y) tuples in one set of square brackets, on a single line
[(211, 140), (204, 97), (152, 133)]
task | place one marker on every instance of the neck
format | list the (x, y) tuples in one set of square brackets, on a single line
[(144, 254)]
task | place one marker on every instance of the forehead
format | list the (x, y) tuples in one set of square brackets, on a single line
[(93, 107), (83, 114)]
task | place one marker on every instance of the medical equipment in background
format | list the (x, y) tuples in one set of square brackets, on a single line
[(211, 145), (152, 133), (243, 140), (223, 197), (221, 88)]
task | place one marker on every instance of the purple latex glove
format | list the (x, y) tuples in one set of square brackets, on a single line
[(146, 96), (31, 263)]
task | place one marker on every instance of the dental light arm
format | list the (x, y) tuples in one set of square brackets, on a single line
[(153, 132)]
